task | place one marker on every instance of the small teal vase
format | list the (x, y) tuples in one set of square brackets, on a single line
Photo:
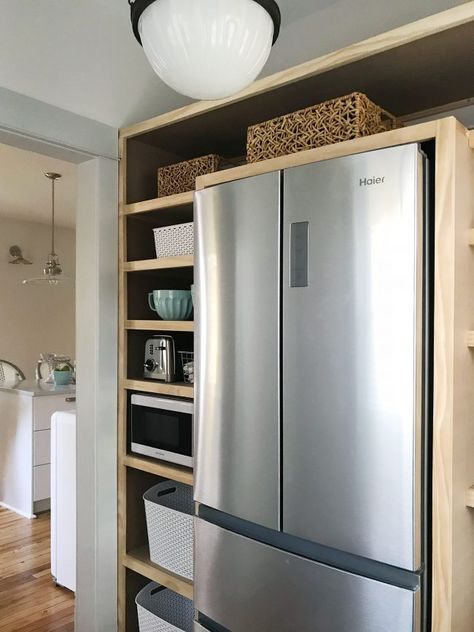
[(62, 378)]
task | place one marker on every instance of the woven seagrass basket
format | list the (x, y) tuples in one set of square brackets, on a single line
[(344, 118), (181, 177)]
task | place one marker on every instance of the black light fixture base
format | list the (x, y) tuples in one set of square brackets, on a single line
[(138, 6)]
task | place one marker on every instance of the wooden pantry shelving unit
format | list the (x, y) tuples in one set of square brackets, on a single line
[(415, 69), (139, 273)]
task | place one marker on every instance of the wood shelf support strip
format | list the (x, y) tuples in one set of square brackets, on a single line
[(184, 261), (138, 561), (158, 204), (179, 389), (160, 325), (159, 468)]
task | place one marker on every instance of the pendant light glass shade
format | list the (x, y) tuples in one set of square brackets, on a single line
[(206, 49), (52, 271)]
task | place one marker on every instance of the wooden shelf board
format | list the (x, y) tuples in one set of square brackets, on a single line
[(138, 561), (160, 468), (178, 389), (160, 325), (157, 204), (184, 261), (470, 497)]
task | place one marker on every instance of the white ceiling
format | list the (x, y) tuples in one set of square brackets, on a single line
[(25, 193), (80, 55)]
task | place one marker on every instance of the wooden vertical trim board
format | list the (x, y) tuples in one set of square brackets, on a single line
[(453, 428), (463, 381), (122, 395), (443, 387)]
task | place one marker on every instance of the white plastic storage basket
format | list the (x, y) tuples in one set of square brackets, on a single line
[(161, 610), (169, 521), (173, 241)]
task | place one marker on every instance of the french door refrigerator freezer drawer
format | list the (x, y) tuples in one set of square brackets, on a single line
[(247, 586)]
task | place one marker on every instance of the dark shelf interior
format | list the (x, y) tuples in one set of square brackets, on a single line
[(134, 583), (139, 284), (136, 351), (140, 237)]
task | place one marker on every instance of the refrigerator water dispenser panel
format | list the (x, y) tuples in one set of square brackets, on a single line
[(299, 234)]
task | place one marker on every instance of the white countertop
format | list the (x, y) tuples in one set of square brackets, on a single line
[(34, 388)]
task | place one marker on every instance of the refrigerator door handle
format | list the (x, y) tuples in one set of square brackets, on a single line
[(299, 237)]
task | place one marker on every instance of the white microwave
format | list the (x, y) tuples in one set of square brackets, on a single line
[(162, 428)]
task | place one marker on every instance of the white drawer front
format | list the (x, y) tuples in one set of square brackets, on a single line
[(45, 406), (42, 482), (42, 447)]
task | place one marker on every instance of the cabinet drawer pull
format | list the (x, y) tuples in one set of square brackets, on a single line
[(70, 399)]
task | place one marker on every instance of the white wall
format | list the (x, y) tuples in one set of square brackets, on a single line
[(97, 239), (34, 319)]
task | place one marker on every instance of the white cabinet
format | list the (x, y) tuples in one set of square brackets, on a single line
[(25, 444), (45, 406), (41, 447), (41, 482)]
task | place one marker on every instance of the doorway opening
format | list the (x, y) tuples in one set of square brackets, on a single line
[(35, 320)]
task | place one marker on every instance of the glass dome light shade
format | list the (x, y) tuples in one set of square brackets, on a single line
[(207, 49)]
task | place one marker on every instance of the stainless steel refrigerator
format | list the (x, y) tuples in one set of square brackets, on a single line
[(313, 398)]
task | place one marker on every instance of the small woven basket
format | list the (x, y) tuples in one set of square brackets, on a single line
[(181, 177), (161, 610), (175, 240), (169, 512), (344, 118)]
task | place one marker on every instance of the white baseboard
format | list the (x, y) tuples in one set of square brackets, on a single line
[(17, 511)]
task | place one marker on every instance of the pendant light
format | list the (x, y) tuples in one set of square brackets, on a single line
[(52, 272), (206, 49)]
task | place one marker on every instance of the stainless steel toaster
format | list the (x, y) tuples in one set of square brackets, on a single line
[(160, 359)]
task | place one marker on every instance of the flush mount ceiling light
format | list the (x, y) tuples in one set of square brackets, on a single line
[(206, 49), (52, 272)]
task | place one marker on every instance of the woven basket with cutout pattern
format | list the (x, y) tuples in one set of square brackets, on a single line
[(181, 177), (344, 118)]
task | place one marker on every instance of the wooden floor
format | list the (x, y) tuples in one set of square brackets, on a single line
[(29, 600)]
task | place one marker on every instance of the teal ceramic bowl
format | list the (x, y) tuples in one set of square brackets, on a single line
[(62, 378), (171, 304)]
